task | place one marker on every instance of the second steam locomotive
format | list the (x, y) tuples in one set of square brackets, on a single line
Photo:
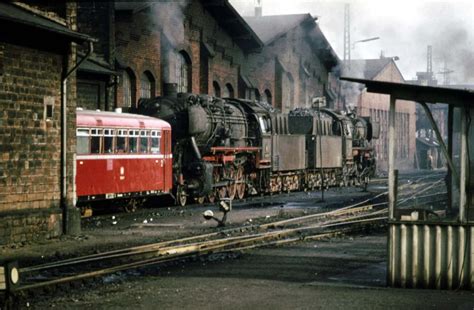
[(234, 147)]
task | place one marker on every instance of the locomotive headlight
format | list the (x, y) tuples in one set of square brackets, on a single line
[(14, 276)]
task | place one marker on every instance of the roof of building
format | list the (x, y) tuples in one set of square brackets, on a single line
[(269, 28), (224, 13), (368, 68), (272, 27), (18, 15)]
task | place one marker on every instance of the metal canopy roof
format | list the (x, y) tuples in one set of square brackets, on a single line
[(417, 92), (92, 67), (15, 14)]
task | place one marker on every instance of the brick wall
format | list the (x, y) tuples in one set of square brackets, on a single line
[(30, 134), (137, 40), (289, 58), (91, 94), (147, 40), (30, 141), (377, 106)]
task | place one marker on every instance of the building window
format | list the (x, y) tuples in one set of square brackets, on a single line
[(288, 91), (217, 89), (267, 96), (128, 88), (257, 95), (228, 91), (183, 72), (147, 85)]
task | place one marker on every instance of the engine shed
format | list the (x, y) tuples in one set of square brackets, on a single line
[(425, 251)]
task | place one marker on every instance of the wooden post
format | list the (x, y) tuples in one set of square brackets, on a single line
[(391, 159), (449, 183), (464, 167), (440, 139)]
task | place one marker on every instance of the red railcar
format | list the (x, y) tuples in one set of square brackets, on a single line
[(122, 155)]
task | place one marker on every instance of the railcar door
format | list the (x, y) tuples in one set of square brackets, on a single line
[(158, 159), (167, 159)]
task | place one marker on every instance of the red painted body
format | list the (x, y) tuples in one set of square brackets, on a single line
[(117, 172)]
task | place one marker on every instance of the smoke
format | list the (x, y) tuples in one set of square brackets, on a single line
[(405, 29), (170, 16)]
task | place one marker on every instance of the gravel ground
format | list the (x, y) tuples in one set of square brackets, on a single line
[(341, 273)]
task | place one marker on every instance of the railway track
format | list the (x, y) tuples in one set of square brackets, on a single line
[(316, 226)]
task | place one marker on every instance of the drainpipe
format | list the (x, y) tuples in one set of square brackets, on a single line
[(66, 226)]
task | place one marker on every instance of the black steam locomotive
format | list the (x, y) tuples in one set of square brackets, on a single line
[(233, 147)]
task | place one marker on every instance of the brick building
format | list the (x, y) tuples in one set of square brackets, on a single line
[(377, 106), (295, 62), (201, 47), (144, 46), (35, 191)]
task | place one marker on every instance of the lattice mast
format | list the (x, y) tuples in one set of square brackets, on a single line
[(429, 62), (347, 35)]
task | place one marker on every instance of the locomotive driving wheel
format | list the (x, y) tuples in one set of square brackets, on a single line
[(181, 196), (240, 190), (211, 197), (199, 200), (232, 187), (222, 192), (131, 206)]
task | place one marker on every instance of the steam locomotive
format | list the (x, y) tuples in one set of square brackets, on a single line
[(234, 147)]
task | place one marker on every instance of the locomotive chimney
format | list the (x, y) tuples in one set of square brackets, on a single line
[(258, 8), (170, 89)]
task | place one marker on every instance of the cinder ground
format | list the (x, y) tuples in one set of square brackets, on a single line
[(342, 273)]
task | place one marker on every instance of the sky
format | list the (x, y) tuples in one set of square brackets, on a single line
[(405, 29)]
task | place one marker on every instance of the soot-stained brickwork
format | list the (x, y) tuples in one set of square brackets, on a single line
[(30, 127)]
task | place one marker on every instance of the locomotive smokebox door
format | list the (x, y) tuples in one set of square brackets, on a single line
[(198, 123)]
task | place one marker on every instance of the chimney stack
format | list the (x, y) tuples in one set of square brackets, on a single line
[(258, 8)]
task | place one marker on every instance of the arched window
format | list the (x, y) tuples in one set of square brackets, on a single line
[(147, 85), (268, 96), (183, 72), (228, 91), (217, 89), (288, 90), (257, 95), (129, 88)]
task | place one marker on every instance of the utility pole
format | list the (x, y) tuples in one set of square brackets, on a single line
[(347, 35), (446, 72), (258, 8)]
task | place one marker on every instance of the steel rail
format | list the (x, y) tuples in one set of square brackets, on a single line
[(172, 250), (185, 250), (153, 247)]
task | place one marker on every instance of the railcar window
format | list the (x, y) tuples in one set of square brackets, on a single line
[(96, 135), (108, 140), (83, 142), (155, 142), (133, 141), (121, 144), (143, 142)]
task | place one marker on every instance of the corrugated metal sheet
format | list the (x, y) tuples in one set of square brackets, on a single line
[(436, 256)]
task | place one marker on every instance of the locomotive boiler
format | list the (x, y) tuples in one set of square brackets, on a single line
[(216, 143)]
